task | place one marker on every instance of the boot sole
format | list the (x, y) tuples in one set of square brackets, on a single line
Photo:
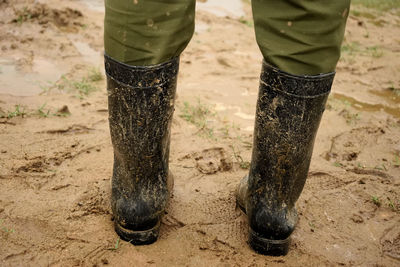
[(144, 237), (265, 246)]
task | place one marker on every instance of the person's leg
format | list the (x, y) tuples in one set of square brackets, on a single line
[(300, 41), (301, 37), (143, 41), (147, 32)]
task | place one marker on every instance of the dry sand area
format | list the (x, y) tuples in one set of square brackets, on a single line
[(56, 154)]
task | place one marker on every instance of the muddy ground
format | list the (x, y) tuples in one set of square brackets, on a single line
[(56, 154)]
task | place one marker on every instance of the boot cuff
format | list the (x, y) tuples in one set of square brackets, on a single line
[(141, 76), (298, 85)]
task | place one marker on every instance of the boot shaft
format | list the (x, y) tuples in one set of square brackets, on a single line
[(141, 105), (289, 110)]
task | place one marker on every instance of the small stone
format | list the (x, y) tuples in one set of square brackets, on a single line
[(357, 218), (64, 110)]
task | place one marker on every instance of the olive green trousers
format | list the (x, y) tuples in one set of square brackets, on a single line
[(301, 37)]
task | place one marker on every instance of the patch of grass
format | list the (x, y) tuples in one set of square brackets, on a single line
[(351, 48), (380, 5), (360, 165), (381, 167), (42, 112), (246, 22), (394, 89), (83, 87), (199, 115), (225, 131), (396, 160), (391, 204), (363, 14), (213, 127), (312, 226), (5, 229), (47, 87), (376, 201), (351, 118), (19, 111), (22, 16), (373, 17), (236, 154), (374, 51), (46, 113), (354, 49), (117, 245), (338, 164), (95, 75)]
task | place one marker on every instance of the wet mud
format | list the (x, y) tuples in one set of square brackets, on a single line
[(56, 154)]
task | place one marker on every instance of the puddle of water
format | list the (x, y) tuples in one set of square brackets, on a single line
[(89, 54), (201, 27), (389, 95), (238, 113), (362, 106), (19, 83), (222, 8), (244, 115), (95, 5), (249, 128), (246, 92)]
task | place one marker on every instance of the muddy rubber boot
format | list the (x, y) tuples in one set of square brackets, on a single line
[(141, 104), (289, 110)]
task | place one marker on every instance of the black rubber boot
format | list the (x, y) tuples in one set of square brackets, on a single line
[(141, 104), (289, 110)]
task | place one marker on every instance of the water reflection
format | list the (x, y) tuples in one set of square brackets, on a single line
[(222, 8), (20, 83)]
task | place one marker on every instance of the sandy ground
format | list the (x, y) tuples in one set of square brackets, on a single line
[(56, 154)]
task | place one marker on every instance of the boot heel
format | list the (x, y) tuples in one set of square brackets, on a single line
[(144, 237), (267, 246)]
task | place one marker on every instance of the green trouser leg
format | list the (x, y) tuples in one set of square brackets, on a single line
[(147, 32), (301, 37)]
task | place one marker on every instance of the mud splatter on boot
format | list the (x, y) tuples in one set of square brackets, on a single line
[(289, 110), (141, 105)]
